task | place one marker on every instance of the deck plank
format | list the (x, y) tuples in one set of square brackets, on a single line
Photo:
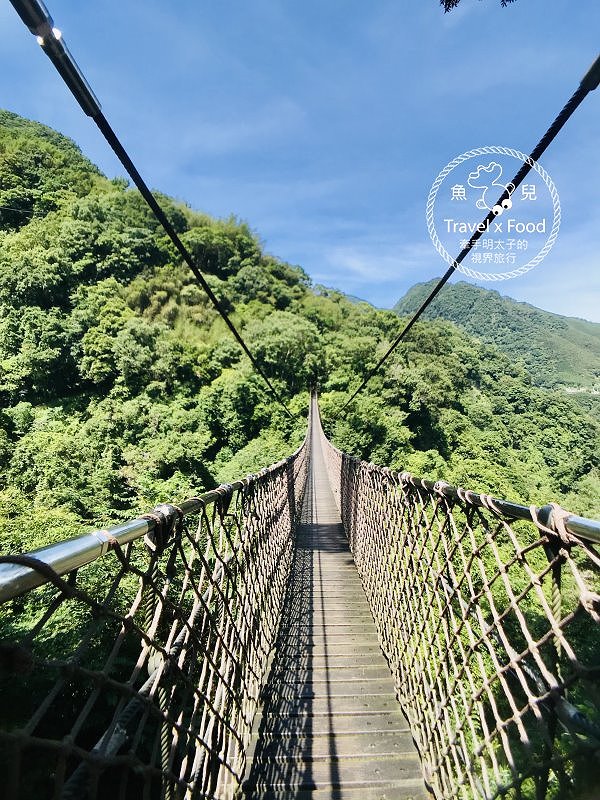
[(330, 725)]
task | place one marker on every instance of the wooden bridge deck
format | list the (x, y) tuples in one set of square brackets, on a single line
[(330, 724)]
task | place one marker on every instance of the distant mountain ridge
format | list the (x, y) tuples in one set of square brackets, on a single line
[(120, 388), (557, 351)]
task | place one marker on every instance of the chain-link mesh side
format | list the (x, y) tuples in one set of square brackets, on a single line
[(490, 626), (138, 676)]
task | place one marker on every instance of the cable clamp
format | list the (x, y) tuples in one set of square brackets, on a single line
[(167, 521)]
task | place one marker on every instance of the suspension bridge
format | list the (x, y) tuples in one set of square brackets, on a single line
[(325, 628)]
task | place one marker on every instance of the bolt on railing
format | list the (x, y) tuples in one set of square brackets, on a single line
[(139, 674), (488, 613)]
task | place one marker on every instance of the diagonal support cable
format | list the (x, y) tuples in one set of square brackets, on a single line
[(160, 215), (36, 17), (589, 83)]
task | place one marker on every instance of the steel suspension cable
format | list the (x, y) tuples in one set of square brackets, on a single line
[(37, 18), (589, 82), (160, 215)]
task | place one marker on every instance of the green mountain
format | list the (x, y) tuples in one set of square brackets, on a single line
[(121, 387), (556, 351)]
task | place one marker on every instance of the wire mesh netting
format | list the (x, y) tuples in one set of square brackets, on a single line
[(138, 676), (490, 627)]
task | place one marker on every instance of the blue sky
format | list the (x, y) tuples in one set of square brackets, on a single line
[(324, 124)]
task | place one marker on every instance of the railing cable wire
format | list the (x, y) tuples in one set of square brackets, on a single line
[(488, 613), (147, 669)]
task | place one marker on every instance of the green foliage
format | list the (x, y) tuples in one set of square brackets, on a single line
[(34, 352), (265, 449), (289, 348), (121, 387), (39, 171), (222, 247), (556, 351)]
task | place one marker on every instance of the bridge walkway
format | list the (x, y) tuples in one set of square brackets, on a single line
[(330, 725)]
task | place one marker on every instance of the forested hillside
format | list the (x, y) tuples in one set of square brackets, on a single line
[(555, 350), (120, 386)]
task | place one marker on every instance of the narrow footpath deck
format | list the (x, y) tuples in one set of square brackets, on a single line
[(330, 725)]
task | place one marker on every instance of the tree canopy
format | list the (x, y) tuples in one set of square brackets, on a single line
[(557, 352), (120, 386)]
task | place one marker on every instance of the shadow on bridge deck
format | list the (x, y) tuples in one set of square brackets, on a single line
[(330, 724)]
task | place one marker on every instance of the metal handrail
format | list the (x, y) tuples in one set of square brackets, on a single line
[(71, 554), (583, 527), (172, 638), (490, 628)]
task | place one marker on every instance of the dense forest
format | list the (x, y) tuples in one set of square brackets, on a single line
[(120, 386), (556, 351)]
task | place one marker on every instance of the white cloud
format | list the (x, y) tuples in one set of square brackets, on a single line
[(379, 261), (377, 269), (271, 122)]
